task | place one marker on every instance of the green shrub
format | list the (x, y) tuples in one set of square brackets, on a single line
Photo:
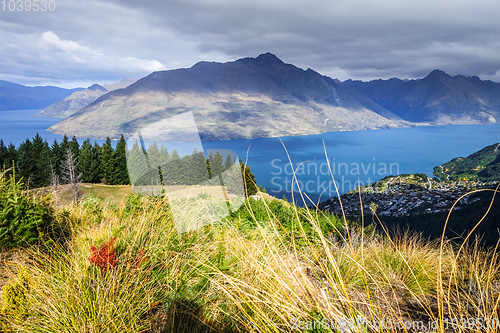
[(294, 222), (25, 219)]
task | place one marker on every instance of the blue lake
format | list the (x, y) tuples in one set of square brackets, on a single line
[(363, 156), (16, 126)]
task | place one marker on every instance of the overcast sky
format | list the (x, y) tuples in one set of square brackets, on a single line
[(82, 42)]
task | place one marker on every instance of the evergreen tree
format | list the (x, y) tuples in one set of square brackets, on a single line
[(173, 173), (228, 163), (63, 145), (75, 148), (155, 162), (164, 156), (55, 158), (216, 164), (137, 166), (186, 171), (95, 165), (154, 155), (3, 156), (87, 166), (25, 163), (199, 167), (233, 181), (249, 180), (41, 159), (121, 172), (108, 163), (12, 155), (163, 161)]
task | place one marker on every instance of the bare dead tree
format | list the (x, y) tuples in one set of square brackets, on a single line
[(70, 175), (54, 183)]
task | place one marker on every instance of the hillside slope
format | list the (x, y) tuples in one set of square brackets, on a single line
[(483, 165), (80, 99)]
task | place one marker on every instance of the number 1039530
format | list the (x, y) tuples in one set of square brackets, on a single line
[(27, 5)]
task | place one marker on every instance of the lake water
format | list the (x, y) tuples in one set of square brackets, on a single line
[(18, 125), (363, 156)]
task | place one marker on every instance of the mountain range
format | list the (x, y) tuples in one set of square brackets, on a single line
[(265, 97), (246, 98), (18, 97), (80, 99), (437, 98)]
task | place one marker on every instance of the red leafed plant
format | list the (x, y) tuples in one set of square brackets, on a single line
[(104, 257), (140, 259)]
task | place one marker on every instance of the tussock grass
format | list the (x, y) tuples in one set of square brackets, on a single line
[(270, 267)]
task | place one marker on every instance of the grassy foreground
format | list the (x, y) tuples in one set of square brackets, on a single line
[(269, 267)]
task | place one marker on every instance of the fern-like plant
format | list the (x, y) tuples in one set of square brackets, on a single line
[(24, 218)]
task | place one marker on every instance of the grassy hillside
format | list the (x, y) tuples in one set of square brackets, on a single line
[(268, 267), (483, 165)]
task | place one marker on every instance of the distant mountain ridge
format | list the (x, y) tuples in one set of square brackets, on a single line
[(246, 98), (15, 96), (80, 99), (265, 97), (73, 103), (437, 98)]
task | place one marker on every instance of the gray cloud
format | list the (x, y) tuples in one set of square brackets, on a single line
[(357, 39)]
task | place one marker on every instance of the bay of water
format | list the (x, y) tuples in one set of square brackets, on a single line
[(364, 156), (18, 125), (354, 158)]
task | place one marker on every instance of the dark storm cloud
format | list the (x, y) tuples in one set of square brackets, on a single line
[(354, 38), (359, 39)]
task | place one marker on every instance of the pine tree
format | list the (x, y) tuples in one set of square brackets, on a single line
[(164, 156), (121, 172), (216, 164), (154, 155), (3, 155), (41, 159), (155, 161), (55, 158), (186, 170), (173, 169), (108, 163), (199, 167), (25, 162), (86, 163), (228, 163), (233, 181), (75, 148), (12, 154), (64, 145), (163, 162), (95, 165), (249, 180), (137, 166)]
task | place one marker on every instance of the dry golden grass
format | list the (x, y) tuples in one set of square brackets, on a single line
[(221, 279)]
